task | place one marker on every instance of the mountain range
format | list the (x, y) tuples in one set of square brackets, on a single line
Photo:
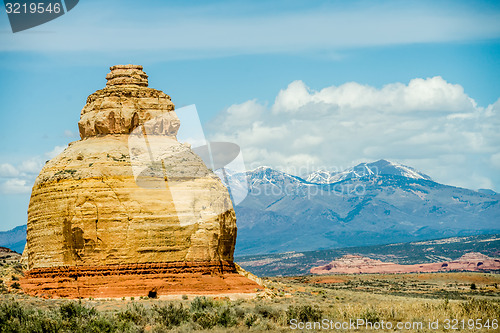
[(14, 239), (369, 204)]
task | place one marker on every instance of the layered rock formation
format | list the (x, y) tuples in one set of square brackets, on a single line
[(353, 264), (89, 209), (174, 278)]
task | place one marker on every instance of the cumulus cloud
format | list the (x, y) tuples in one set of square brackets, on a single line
[(7, 171), (31, 166), (19, 178), (15, 186), (432, 94), (429, 124), (54, 152)]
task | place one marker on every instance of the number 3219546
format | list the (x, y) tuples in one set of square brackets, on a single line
[(32, 8), (471, 324)]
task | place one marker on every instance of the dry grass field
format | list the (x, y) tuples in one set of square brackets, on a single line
[(456, 302)]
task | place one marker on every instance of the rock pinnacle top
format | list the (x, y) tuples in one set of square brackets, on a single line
[(127, 75), (125, 103)]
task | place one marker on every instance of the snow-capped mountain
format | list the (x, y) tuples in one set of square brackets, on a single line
[(381, 167), (267, 175), (369, 204)]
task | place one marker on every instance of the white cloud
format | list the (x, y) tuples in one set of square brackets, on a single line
[(54, 152), (7, 171), (70, 134), (15, 186), (428, 123), (495, 160), (19, 179), (432, 94), (31, 166)]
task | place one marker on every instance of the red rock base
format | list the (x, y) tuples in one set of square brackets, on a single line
[(114, 281)]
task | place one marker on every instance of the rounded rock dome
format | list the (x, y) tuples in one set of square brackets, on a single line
[(87, 208)]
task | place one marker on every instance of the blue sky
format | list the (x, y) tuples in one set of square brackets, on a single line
[(416, 82)]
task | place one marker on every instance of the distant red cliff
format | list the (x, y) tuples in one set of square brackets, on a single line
[(353, 264)]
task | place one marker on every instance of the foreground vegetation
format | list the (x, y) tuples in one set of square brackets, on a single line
[(305, 299)]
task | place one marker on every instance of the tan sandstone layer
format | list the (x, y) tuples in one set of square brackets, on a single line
[(89, 207), (353, 264)]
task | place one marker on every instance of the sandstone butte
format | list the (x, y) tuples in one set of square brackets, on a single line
[(353, 264), (93, 232)]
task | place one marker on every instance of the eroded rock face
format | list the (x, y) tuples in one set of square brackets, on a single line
[(86, 208), (126, 103)]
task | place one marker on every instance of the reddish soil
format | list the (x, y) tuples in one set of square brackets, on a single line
[(114, 281), (351, 264)]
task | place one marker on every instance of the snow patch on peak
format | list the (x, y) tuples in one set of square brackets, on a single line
[(320, 177), (380, 167)]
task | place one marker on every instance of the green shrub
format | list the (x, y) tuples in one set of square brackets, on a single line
[(75, 310), (208, 313), (264, 310), (202, 303), (250, 320), (171, 315), (205, 319), (12, 313), (239, 312), (304, 313), (370, 316), (135, 313), (43, 322), (99, 324), (480, 307), (226, 318)]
